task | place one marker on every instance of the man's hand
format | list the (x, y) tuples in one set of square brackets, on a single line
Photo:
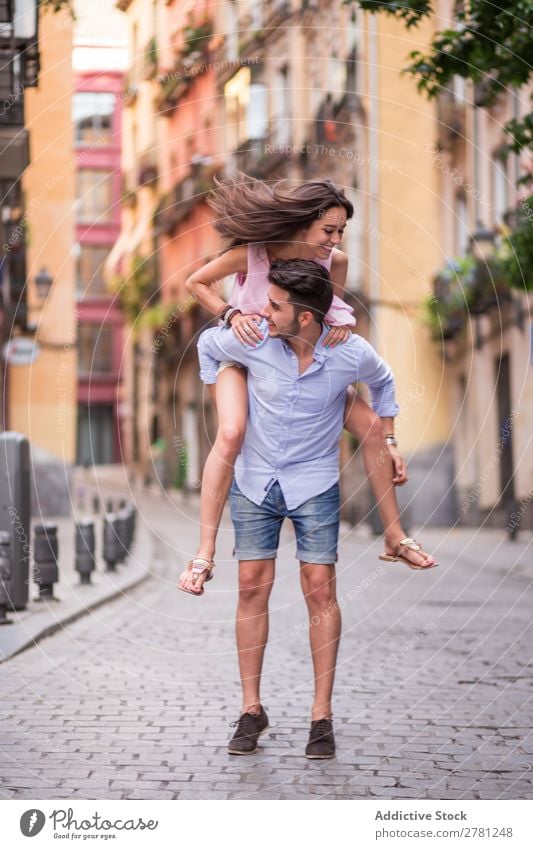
[(399, 466), (245, 328), (337, 335)]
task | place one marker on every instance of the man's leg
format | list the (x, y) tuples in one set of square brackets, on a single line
[(316, 523), (319, 589), (256, 543), (255, 583)]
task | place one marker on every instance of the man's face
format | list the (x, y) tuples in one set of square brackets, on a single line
[(280, 314)]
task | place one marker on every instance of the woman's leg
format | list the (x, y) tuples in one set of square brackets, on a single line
[(232, 410), (364, 424)]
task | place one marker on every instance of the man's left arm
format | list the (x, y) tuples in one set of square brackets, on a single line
[(371, 369), (374, 371)]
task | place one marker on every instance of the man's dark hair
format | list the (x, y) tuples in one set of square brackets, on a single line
[(307, 282)]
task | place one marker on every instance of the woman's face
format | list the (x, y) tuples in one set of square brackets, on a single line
[(324, 234)]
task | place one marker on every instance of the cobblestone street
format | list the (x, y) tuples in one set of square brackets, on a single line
[(433, 694)]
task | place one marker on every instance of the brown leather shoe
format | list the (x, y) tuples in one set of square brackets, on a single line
[(321, 740), (250, 726)]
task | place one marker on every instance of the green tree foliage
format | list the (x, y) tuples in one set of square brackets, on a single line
[(489, 43)]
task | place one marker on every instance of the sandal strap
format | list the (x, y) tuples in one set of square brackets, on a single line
[(199, 565), (411, 543)]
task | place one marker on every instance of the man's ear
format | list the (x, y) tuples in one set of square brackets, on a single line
[(306, 318)]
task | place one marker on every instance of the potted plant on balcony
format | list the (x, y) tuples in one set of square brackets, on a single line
[(488, 286), (515, 253), (446, 311)]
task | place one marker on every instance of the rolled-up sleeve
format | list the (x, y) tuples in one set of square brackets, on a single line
[(214, 346), (340, 314), (378, 376)]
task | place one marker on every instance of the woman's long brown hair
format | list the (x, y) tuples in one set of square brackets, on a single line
[(248, 210)]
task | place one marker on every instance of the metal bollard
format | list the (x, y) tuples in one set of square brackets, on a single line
[(5, 576), (131, 523), (133, 520), (15, 503), (123, 532), (85, 561), (112, 547), (45, 554), (96, 504)]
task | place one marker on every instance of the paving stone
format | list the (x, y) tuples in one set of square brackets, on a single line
[(102, 709)]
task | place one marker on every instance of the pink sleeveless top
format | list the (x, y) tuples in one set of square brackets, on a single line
[(250, 291)]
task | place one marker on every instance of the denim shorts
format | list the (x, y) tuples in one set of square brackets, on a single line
[(257, 527)]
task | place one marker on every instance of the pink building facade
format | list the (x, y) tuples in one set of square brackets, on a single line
[(97, 145)]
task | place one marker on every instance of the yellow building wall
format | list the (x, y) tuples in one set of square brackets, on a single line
[(410, 249), (42, 396)]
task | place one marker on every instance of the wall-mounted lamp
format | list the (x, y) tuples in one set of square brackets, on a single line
[(43, 282), (482, 242)]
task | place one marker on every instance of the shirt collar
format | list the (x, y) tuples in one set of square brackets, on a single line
[(320, 351)]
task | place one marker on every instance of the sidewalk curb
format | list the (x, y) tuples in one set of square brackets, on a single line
[(19, 634)]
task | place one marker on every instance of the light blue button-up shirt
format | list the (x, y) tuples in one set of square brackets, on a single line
[(295, 420)]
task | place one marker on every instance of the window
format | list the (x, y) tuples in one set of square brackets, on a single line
[(351, 72), (93, 117), (462, 234), (256, 12), (89, 270), (232, 31), (281, 108), (246, 116), (458, 87), (95, 349), (95, 434), (500, 189), (336, 77), (94, 194)]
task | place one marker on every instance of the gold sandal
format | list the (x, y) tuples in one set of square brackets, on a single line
[(198, 566), (411, 544)]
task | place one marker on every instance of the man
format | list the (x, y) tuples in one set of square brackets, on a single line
[(289, 467)]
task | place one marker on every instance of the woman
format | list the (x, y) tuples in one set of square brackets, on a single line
[(262, 223)]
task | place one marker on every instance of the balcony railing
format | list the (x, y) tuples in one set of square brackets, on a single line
[(147, 172), (258, 157), (181, 200), (176, 82), (11, 92), (451, 120), (150, 60), (275, 11)]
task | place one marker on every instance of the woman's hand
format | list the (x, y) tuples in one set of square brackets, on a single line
[(399, 466), (245, 328), (337, 335)]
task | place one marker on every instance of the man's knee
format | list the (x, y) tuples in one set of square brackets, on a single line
[(255, 586), (319, 593)]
